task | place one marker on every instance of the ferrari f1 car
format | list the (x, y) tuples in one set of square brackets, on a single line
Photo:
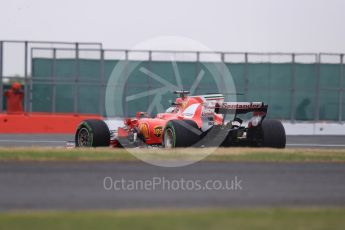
[(199, 121)]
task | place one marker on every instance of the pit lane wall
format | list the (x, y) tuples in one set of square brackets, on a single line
[(47, 123)]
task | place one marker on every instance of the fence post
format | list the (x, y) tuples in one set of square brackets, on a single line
[(317, 105), (149, 87), (1, 77), (245, 76), (102, 84), (126, 82), (76, 92), (53, 81), (197, 71), (31, 79), (293, 89), (222, 59), (341, 88), (26, 82)]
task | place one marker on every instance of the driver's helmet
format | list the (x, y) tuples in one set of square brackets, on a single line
[(16, 86)]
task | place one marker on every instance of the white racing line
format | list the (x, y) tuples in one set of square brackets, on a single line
[(68, 143), (64, 142), (315, 145), (32, 141)]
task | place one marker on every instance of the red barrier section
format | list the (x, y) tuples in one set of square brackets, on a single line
[(42, 122)]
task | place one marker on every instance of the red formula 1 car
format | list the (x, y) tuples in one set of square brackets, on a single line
[(199, 121)]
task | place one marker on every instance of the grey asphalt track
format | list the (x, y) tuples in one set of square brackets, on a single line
[(62, 185), (74, 186), (59, 140), (27, 140), (334, 141)]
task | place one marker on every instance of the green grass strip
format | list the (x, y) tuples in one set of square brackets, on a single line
[(264, 218), (220, 154)]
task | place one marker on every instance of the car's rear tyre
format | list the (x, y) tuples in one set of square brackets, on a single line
[(180, 133), (92, 133), (273, 134)]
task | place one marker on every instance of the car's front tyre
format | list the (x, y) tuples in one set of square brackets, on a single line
[(92, 133)]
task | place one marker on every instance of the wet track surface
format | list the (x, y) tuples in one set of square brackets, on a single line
[(63, 185)]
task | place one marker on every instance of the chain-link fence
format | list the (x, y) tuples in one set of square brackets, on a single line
[(296, 86)]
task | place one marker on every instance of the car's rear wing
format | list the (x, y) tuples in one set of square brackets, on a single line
[(240, 107)]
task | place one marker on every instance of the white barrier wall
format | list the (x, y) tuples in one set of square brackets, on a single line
[(296, 128), (319, 128)]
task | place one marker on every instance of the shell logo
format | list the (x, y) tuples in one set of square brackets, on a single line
[(158, 130), (144, 130)]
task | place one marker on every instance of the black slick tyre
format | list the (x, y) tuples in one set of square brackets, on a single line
[(92, 133), (180, 133), (273, 134)]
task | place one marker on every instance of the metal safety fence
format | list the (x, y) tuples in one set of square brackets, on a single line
[(71, 78)]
